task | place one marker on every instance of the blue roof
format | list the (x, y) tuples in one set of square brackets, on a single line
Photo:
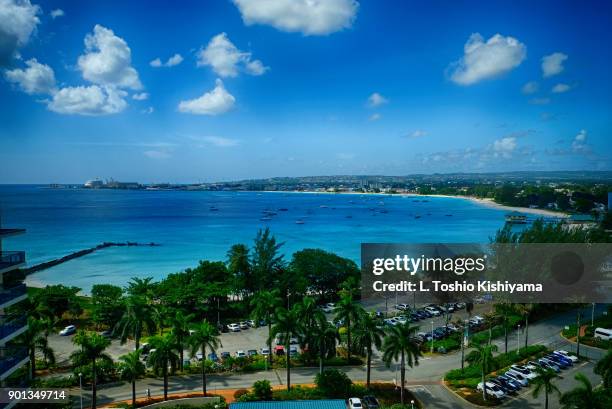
[(291, 404)]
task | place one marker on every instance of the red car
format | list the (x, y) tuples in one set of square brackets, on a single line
[(279, 350)]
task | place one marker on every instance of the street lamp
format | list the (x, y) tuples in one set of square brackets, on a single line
[(81, 388), (593, 315), (432, 339), (518, 339), (412, 404)]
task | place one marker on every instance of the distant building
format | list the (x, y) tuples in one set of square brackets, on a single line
[(94, 184)]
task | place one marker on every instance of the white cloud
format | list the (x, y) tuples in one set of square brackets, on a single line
[(176, 59), (553, 64), (579, 144), (18, 20), (156, 154), (485, 60), (37, 78), (530, 88), (226, 59), (56, 13), (219, 141), (310, 17), (374, 117), (561, 88), (419, 133), (504, 146), (140, 96), (107, 60), (148, 110), (539, 101), (91, 100), (377, 99), (214, 102)]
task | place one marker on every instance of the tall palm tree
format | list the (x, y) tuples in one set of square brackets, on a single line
[(131, 368), (180, 330), (326, 335), (368, 334), (584, 396), (264, 305), (525, 311), (32, 338), (400, 343), (483, 358), (544, 382), (503, 311), (141, 287), (92, 351), (239, 266), (204, 336), (348, 311), (163, 354), (310, 314), (603, 368), (287, 325), (137, 318)]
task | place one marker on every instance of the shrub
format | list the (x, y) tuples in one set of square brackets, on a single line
[(239, 393), (297, 393), (262, 390), (333, 384)]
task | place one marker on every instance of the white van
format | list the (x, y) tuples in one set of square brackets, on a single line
[(603, 334)]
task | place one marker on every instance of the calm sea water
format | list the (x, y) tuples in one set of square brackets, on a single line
[(60, 221)]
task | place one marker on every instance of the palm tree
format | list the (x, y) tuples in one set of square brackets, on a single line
[(141, 287), (138, 317), (525, 311), (310, 314), (264, 305), (91, 351), (544, 382), (326, 334), (400, 342), (239, 266), (503, 311), (603, 368), (180, 331), (163, 354), (132, 368), (368, 334), (204, 336), (34, 338), (287, 325), (266, 258), (584, 396), (347, 310), (483, 358)]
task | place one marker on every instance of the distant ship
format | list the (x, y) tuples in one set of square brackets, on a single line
[(516, 218), (94, 184)]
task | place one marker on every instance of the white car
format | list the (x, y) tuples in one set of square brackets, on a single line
[(524, 371), (240, 354), (69, 330), (244, 325), (432, 311), (329, 307), (233, 327), (492, 389), (567, 355), (402, 307), (401, 320), (265, 351), (517, 377), (252, 323), (355, 403)]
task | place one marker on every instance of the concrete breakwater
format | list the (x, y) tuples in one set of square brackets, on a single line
[(84, 252)]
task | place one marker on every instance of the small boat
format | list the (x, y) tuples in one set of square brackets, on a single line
[(323, 206), (417, 217), (516, 218), (448, 215), (299, 222), (283, 209), (213, 209), (348, 216), (265, 219)]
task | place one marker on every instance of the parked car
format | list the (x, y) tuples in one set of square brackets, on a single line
[(508, 386), (240, 354), (414, 316), (401, 320), (524, 371), (252, 323), (546, 363), (233, 327), (425, 314), (265, 351), (517, 376), (244, 325), (562, 363), (566, 354), (402, 307), (225, 355), (68, 330), (432, 311), (371, 402), (279, 350), (563, 358), (107, 334), (354, 403), (424, 336), (329, 307), (511, 381), (213, 357), (293, 351), (492, 389), (252, 352)]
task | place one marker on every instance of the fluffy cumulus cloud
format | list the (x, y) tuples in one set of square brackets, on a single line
[(504, 147), (561, 88), (227, 60), (108, 60), (487, 59), (530, 88), (419, 133), (56, 13), (18, 20), (215, 102), (37, 78), (553, 64), (310, 17), (376, 99), (579, 144), (176, 59), (91, 100)]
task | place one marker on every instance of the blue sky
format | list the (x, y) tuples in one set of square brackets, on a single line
[(228, 90)]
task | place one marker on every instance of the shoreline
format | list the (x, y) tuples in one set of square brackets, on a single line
[(484, 202)]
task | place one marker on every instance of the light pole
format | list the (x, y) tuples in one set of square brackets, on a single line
[(518, 339), (412, 404), (432, 339), (81, 388), (593, 315)]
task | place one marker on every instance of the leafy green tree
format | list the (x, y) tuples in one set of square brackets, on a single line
[(333, 383), (266, 259), (141, 287), (138, 316), (400, 343), (239, 266), (603, 368), (204, 336), (58, 300), (106, 303), (310, 315), (483, 357), (262, 390), (180, 330), (287, 325), (368, 335), (131, 368), (585, 396), (34, 339), (163, 355), (92, 347), (348, 311), (264, 305), (544, 383)]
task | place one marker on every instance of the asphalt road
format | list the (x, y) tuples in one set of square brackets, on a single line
[(424, 379)]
